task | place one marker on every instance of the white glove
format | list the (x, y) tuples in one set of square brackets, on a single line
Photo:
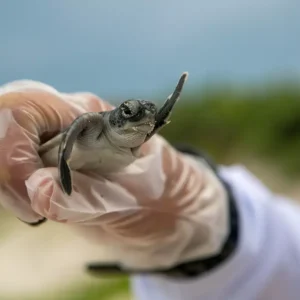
[(164, 209)]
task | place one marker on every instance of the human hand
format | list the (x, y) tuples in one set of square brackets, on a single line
[(30, 113), (163, 209)]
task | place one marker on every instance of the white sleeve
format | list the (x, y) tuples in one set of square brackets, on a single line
[(266, 263)]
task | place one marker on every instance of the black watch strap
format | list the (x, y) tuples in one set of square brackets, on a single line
[(196, 267)]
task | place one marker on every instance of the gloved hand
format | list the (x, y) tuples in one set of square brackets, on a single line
[(164, 209)]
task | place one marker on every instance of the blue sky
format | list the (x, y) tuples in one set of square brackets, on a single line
[(135, 48)]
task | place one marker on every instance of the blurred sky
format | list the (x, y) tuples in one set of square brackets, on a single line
[(138, 48)]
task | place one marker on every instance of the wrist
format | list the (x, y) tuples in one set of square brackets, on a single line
[(198, 267)]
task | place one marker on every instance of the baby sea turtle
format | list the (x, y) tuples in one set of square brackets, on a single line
[(107, 141)]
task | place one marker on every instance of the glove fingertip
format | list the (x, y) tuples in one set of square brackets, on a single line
[(40, 188)]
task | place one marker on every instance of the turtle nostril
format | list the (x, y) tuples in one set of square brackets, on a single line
[(151, 107), (148, 106)]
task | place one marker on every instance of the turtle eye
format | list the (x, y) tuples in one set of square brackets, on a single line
[(126, 111), (129, 109)]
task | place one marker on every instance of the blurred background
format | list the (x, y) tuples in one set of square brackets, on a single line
[(241, 103)]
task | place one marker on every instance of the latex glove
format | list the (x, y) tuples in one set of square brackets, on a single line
[(30, 112), (162, 210)]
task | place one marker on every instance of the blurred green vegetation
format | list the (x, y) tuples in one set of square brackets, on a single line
[(111, 289), (232, 123), (106, 289)]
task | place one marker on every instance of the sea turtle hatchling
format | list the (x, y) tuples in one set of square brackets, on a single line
[(107, 141)]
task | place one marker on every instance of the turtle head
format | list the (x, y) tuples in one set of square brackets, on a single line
[(136, 121), (132, 121)]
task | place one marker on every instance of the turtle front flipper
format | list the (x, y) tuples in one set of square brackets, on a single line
[(163, 115), (85, 129)]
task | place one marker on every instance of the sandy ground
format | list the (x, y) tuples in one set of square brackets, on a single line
[(37, 260)]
